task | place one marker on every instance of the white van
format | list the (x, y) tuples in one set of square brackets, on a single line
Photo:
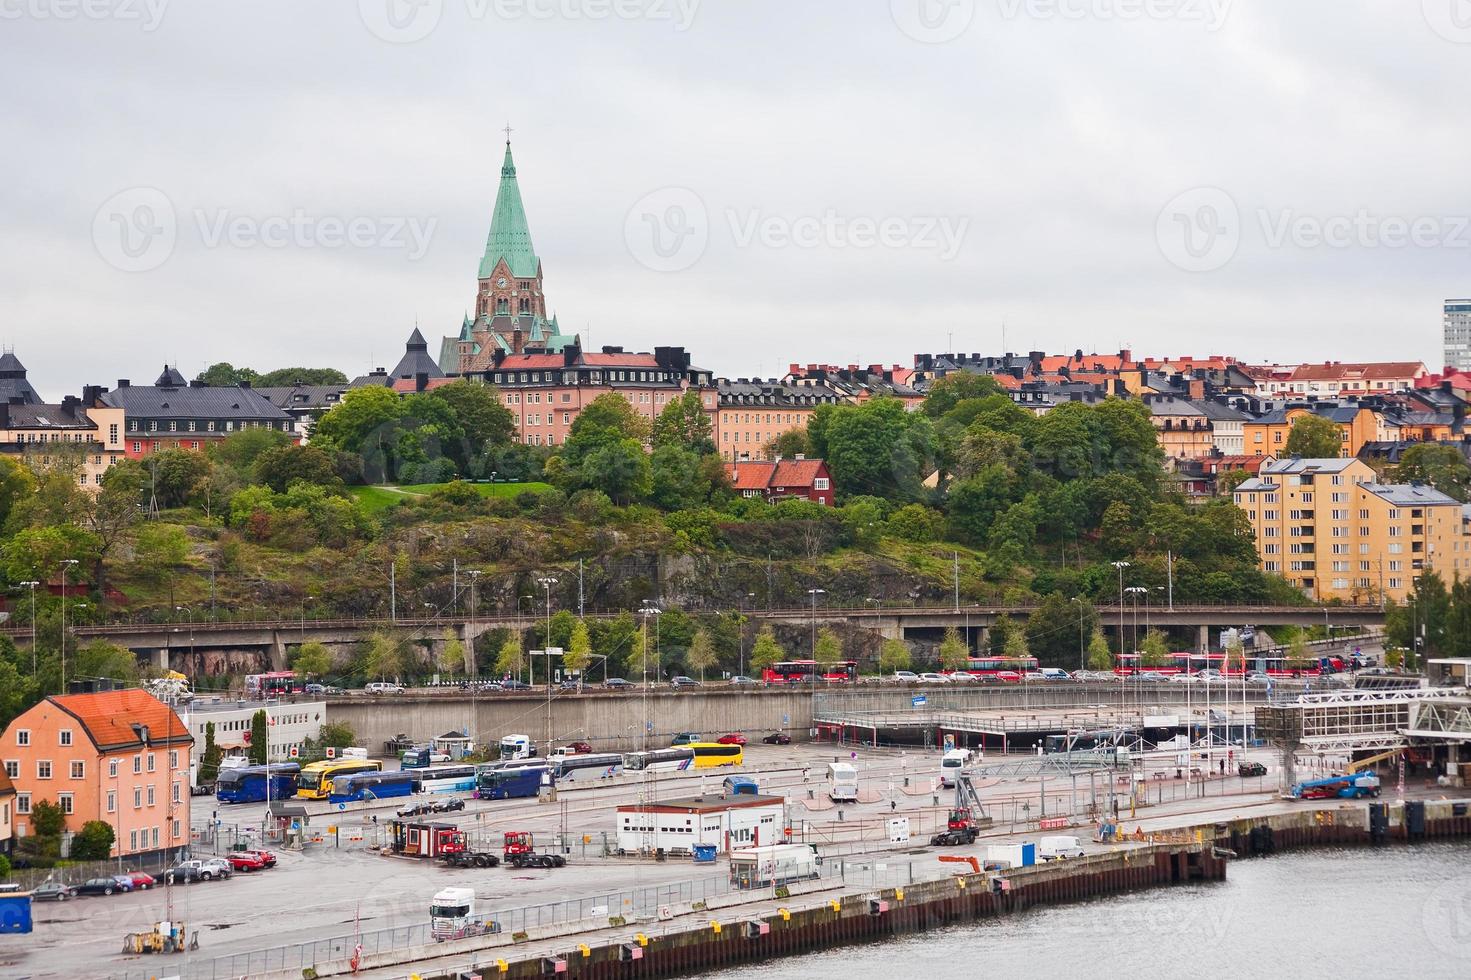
[(1055, 674), (1057, 848), (951, 764), (842, 782)]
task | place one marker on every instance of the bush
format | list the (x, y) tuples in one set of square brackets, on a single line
[(93, 842)]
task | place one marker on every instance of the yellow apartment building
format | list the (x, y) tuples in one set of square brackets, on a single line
[(1267, 435), (1327, 527)]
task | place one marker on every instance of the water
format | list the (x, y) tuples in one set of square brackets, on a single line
[(1340, 913)]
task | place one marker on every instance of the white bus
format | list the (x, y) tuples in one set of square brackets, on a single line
[(842, 782), (951, 764)]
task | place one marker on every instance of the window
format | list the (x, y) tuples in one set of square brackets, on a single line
[(23, 737), (112, 801), (178, 798), (150, 762), (79, 769), (43, 769), (66, 736), (137, 763), (155, 836), (22, 803), (65, 799), (132, 840), (112, 768), (152, 800), (820, 483), (137, 797)]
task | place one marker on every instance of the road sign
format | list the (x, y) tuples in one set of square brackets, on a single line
[(949, 743), (342, 806), (331, 752), (918, 701)]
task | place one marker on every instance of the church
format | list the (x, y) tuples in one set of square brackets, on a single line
[(510, 304)]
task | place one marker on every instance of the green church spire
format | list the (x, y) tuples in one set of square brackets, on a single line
[(510, 236)]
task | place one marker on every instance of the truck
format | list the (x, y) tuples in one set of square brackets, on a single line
[(1011, 855), (842, 782), (1352, 786), (519, 851), (774, 864), (455, 851), (517, 747), (452, 916)]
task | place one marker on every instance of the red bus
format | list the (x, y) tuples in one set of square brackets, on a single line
[(1000, 667), (272, 685), (1128, 664), (803, 671)]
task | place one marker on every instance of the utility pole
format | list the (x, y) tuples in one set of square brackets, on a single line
[(955, 564), (454, 587), (1170, 577), (66, 564), (580, 597), (392, 591), (32, 587)]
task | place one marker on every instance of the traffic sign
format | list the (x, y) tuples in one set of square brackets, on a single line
[(342, 806), (918, 701)]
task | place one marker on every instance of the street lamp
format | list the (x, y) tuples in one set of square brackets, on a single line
[(1121, 565), (814, 593), (32, 586), (1081, 658), (474, 574), (66, 564), (740, 630), (190, 612), (546, 640), (647, 610)]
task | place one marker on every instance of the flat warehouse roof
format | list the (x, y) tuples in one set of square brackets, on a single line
[(702, 804)]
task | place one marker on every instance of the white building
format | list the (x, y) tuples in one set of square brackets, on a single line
[(741, 820), (1455, 325), (288, 725)]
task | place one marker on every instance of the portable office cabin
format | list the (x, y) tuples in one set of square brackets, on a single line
[(726, 821)]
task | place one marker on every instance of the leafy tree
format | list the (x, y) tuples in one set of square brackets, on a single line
[(918, 523), (291, 376), (578, 652), (1231, 479), (260, 739), (894, 655), (1297, 645), (17, 484), (828, 649), (766, 650), (620, 469), (159, 548), (949, 391), (483, 420), (93, 842), (1016, 644), (1100, 657), (788, 444), (47, 820), (683, 480), (954, 655), (1441, 466), (103, 659), (383, 655), (313, 659), (701, 654), (362, 417), (226, 375), (17, 693), (1154, 649), (1314, 437), (337, 735), (240, 450), (643, 659), (281, 466), (998, 635), (37, 552), (511, 659), (209, 762), (1055, 627), (173, 474), (684, 424), (4, 866), (877, 448), (453, 657)]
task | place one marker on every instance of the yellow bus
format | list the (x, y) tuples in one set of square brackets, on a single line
[(710, 755), (315, 779)]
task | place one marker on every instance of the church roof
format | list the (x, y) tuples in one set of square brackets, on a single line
[(416, 359), (13, 383), (510, 235)]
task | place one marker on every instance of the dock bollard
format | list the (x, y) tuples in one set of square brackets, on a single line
[(840, 816)]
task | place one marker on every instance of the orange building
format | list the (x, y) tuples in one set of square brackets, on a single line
[(750, 414), (121, 757), (1267, 435)]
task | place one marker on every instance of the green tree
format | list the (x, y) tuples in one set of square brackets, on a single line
[(684, 424), (894, 655), (1154, 649), (289, 377), (260, 739), (949, 391), (1016, 644), (643, 661), (226, 375), (876, 449), (383, 655), (337, 735), (511, 659), (954, 655), (1441, 466), (281, 466), (1231, 479), (453, 657), (313, 659), (1297, 644), (209, 762), (578, 653), (701, 654), (998, 635), (829, 649), (788, 445), (1056, 628), (173, 474), (1100, 657), (159, 549), (621, 470), (93, 842), (47, 819), (766, 650), (362, 419), (1314, 437), (485, 422), (17, 693), (17, 484), (102, 659)]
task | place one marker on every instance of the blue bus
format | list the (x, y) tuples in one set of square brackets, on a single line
[(596, 765), (373, 786), (509, 784), (447, 779), (247, 784)]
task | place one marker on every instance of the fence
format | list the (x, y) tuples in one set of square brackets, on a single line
[(74, 873)]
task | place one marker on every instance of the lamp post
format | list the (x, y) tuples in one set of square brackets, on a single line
[(814, 593), (304, 601), (1082, 660), (474, 575), (32, 586), (546, 640), (647, 610), (740, 630), (66, 564), (190, 613), (1121, 565)]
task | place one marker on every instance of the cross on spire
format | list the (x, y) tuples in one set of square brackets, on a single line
[(508, 131)]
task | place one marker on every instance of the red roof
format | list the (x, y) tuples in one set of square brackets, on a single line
[(109, 716), (409, 385), (750, 475), (521, 362), (763, 474), (7, 788), (1459, 380), (619, 360), (796, 472), (1344, 371)]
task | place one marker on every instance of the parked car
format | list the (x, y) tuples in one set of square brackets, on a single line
[(741, 680), (618, 684), (962, 676), (1376, 671), (1251, 769), (383, 687), (929, 677), (685, 738), (778, 738), (447, 805), (682, 681), (267, 858), (1154, 675), (322, 689), (99, 886), (514, 685), (125, 882), (579, 748), (52, 891), (244, 861), (181, 874), (1008, 676), (734, 738), (1055, 674), (906, 677)]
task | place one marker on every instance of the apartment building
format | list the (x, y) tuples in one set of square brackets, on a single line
[(172, 413), (750, 413), (121, 757), (1267, 435), (78, 437), (1327, 527)]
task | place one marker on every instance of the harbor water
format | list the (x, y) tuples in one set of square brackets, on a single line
[(1342, 913)]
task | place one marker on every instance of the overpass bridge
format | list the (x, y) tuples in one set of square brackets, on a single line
[(250, 645)]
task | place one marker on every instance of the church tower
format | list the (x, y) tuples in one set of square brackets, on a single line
[(510, 272)]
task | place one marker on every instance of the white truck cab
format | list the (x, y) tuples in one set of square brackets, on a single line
[(451, 913)]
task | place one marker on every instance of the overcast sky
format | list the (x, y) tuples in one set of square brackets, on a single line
[(762, 182)]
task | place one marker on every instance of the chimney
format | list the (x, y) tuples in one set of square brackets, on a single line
[(1197, 389), (122, 382), (421, 381)]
